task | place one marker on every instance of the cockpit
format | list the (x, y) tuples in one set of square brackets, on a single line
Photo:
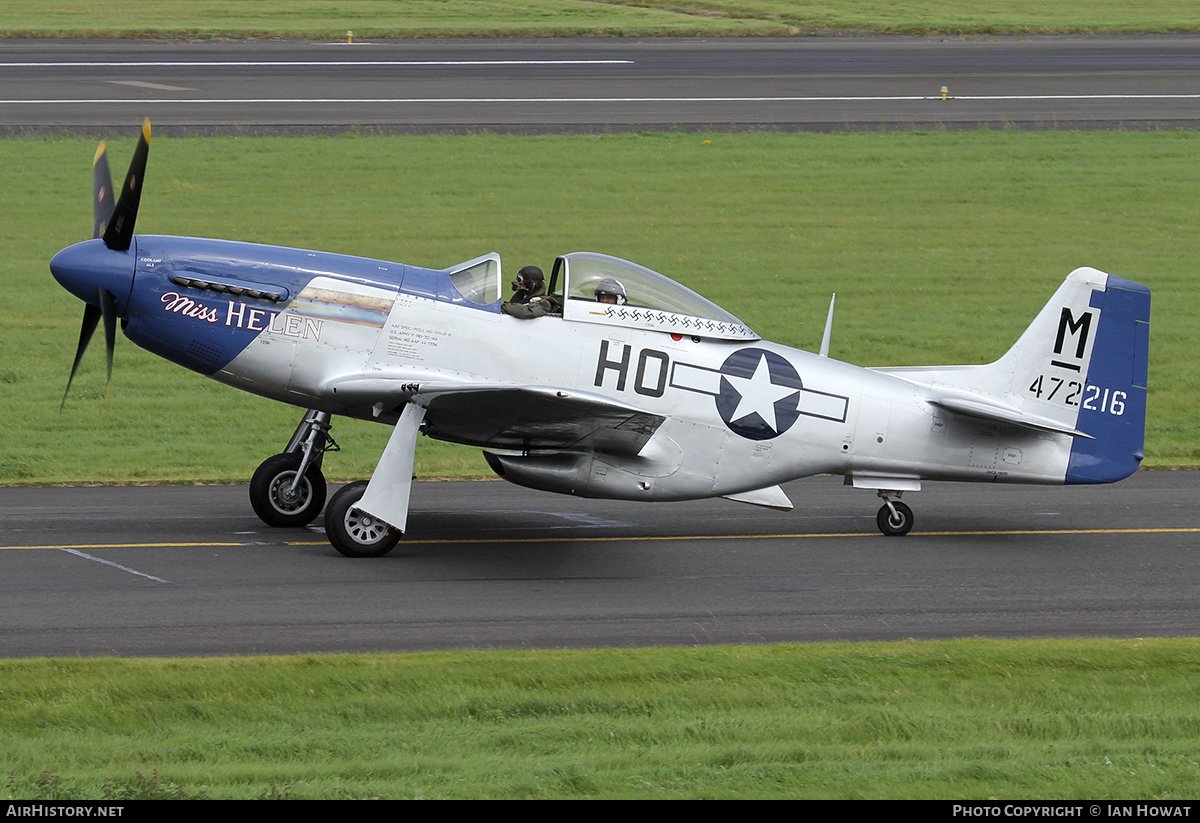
[(588, 287)]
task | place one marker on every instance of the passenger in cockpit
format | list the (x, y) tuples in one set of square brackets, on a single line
[(610, 290)]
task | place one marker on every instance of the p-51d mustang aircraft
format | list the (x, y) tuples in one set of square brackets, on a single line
[(661, 395)]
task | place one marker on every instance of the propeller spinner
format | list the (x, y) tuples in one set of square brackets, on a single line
[(100, 271)]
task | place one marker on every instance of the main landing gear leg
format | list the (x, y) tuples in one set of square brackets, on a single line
[(288, 489), (895, 519)]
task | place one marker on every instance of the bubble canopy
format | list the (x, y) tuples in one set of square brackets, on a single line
[(651, 300)]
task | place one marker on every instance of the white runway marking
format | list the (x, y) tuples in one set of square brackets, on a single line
[(587, 519), (268, 63), (86, 556), (139, 84), (551, 100)]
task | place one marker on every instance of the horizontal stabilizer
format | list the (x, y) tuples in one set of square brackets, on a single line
[(991, 410)]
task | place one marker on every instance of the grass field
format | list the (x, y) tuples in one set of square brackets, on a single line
[(941, 248), (613, 18), (964, 719)]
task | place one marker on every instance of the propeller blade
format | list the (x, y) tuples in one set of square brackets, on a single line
[(108, 309), (91, 316), (113, 220), (118, 235), (103, 200)]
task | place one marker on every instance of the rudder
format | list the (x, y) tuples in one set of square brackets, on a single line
[(1112, 405)]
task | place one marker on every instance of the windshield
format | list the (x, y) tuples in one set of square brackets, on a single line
[(478, 280)]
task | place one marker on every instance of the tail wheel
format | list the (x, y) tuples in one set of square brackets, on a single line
[(353, 532), (275, 501), (895, 525)]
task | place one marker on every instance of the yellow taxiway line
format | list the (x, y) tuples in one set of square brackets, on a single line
[(614, 539)]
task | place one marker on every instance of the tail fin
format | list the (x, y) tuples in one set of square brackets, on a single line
[(1079, 369), (1084, 362)]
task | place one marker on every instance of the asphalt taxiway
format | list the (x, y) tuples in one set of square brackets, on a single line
[(189, 570), (595, 85)]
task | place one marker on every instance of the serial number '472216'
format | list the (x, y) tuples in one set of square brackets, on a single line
[(1069, 392)]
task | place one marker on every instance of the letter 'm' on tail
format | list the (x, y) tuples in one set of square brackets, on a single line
[(1080, 369)]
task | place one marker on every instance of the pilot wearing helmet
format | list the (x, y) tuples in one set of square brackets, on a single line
[(609, 290), (529, 295)]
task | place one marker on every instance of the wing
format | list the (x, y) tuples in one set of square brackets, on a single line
[(509, 416), (537, 417)]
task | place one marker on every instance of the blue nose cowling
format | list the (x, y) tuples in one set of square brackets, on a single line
[(85, 267)]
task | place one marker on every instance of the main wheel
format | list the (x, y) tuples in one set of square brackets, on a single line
[(274, 500), (895, 525), (355, 533)]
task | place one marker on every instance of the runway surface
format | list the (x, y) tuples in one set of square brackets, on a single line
[(190, 570), (596, 85)]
